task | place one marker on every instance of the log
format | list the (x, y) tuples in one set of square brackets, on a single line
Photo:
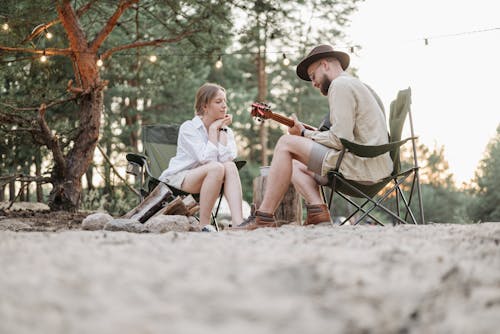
[(151, 204), (182, 206), (290, 208)]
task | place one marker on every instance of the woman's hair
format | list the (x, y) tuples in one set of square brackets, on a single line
[(204, 95)]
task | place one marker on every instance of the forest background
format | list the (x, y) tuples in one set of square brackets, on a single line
[(79, 79)]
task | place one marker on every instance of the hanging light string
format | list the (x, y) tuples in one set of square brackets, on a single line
[(471, 32), (218, 64)]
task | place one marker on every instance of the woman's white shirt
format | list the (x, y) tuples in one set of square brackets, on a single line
[(194, 149)]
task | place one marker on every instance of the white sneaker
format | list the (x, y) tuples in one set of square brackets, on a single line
[(208, 228)]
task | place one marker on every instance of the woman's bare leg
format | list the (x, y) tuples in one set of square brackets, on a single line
[(233, 192), (206, 180)]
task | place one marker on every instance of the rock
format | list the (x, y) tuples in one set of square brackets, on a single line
[(25, 206), (127, 225), (168, 223), (96, 221), (14, 225)]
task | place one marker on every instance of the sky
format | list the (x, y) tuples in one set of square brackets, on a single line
[(455, 79)]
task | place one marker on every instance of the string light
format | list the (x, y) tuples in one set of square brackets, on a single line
[(43, 58), (99, 62), (218, 63), (286, 61), (5, 26), (153, 58), (48, 34)]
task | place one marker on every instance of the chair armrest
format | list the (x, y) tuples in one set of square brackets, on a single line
[(139, 159), (240, 163), (371, 151)]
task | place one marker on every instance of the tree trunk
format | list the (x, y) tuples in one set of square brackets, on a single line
[(38, 173), (67, 185), (262, 95), (290, 208)]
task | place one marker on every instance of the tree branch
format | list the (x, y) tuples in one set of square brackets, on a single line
[(48, 52), (148, 43), (42, 27), (52, 141), (110, 25)]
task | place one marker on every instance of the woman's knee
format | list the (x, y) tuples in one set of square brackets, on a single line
[(230, 167), (216, 169)]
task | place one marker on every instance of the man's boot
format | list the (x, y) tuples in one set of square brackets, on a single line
[(317, 214), (255, 221)]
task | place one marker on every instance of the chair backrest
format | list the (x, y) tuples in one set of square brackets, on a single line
[(400, 108), (160, 145)]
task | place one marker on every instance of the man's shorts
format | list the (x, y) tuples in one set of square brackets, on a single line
[(316, 157)]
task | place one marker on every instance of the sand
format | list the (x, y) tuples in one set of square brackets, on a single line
[(323, 279)]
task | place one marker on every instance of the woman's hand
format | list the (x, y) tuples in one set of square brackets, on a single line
[(222, 122)]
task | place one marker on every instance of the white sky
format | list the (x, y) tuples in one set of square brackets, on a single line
[(455, 80)]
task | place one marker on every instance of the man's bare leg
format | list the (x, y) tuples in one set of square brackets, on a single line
[(288, 148), (306, 185)]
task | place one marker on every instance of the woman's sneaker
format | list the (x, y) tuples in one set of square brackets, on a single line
[(208, 228)]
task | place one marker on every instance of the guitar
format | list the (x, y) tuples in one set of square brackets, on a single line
[(263, 111)]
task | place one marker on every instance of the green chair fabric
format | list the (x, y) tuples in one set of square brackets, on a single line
[(159, 146), (399, 110)]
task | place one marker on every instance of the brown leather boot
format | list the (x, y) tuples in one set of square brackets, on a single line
[(255, 221), (317, 214)]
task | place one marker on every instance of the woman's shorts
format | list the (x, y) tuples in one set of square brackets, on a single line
[(175, 180)]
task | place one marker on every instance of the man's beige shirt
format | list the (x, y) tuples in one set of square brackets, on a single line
[(356, 116)]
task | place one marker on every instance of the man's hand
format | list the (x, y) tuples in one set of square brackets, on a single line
[(297, 127)]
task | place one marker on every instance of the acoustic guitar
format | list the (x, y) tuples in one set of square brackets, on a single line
[(263, 111)]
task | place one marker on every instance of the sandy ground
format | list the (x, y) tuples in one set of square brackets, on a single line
[(323, 279)]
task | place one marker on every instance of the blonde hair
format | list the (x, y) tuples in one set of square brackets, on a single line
[(204, 95)]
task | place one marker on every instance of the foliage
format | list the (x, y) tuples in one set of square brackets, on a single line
[(485, 206)]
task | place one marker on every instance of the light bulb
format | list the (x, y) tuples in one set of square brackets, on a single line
[(286, 61), (99, 62), (218, 63), (153, 58), (49, 35), (43, 58), (5, 26)]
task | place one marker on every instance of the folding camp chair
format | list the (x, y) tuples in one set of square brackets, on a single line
[(159, 146), (375, 195)]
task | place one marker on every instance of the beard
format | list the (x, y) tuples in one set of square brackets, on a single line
[(325, 85)]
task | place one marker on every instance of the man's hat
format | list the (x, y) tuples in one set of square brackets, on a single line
[(319, 52)]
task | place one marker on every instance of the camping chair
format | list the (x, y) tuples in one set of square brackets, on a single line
[(375, 195), (160, 145)]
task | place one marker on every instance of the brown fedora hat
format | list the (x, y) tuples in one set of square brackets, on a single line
[(319, 52)]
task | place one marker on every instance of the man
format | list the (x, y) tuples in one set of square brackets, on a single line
[(304, 157)]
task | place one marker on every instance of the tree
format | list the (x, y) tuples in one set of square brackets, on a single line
[(84, 38), (485, 206)]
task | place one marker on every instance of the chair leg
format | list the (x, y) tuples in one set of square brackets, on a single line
[(214, 215)]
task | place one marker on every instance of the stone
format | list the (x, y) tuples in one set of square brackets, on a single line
[(127, 225), (169, 223), (96, 221), (14, 225)]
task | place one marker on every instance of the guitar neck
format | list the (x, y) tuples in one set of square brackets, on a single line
[(288, 121)]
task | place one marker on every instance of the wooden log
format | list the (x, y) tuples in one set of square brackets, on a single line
[(182, 206), (290, 208), (151, 204)]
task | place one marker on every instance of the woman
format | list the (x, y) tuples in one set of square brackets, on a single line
[(204, 159)]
